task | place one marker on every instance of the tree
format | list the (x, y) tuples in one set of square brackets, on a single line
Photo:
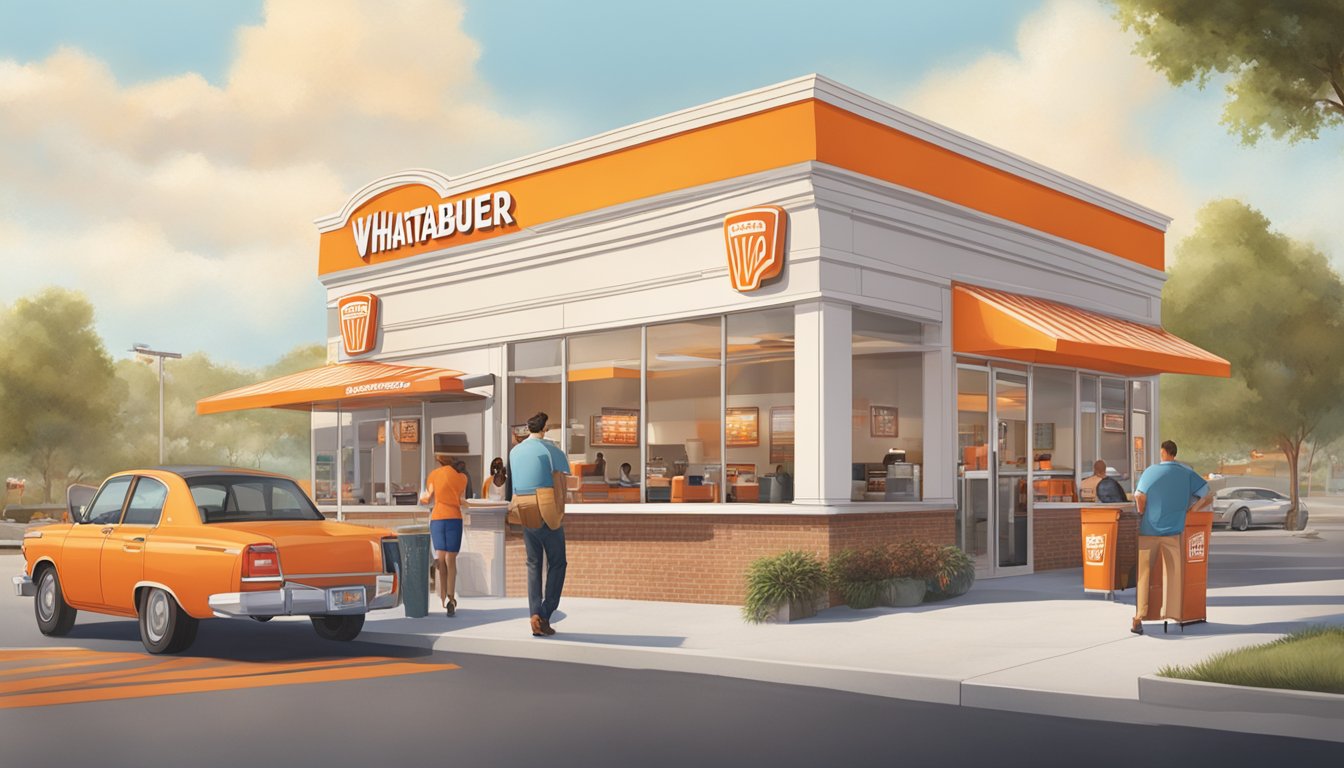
[(1286, 58), (59, 396), (1272, 307)]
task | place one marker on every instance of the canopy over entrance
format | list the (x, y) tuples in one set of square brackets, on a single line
[(1009, 325), (360, 384)]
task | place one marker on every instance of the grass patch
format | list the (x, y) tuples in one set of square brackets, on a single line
[(1309, 660)]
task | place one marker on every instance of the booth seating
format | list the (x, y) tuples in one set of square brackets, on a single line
[(746, 492), (685, 492)]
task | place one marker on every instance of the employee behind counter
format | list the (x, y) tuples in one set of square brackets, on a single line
[(1100, 487)]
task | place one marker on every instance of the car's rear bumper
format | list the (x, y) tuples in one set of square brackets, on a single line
[(302, 600), (24, 586)]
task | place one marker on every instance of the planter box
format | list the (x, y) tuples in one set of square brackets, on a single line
[(793, 610), (904, 593)]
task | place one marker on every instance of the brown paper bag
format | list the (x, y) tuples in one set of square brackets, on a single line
[(551, 501), (525, 511)]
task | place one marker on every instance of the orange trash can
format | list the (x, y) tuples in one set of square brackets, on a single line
[(1195, 541), (1100, 529)]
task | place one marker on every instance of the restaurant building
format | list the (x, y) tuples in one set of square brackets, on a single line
[(803, 317)]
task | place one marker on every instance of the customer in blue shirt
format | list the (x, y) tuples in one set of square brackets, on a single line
[(530, 465), (1166, 492)]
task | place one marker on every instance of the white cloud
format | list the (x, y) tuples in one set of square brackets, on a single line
[(1071, 97), (186, 208)]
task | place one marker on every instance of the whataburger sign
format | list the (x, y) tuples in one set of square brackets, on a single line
[(382, 231), (755, 242)]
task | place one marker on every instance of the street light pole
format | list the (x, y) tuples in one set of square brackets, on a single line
[(143, 349)]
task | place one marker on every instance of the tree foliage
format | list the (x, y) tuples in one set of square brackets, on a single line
[(1286, 58), (1274, 308), (59, 395)]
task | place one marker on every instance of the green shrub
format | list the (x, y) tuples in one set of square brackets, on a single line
[(860, 575), (914, 559), (954, 575), (778, 579)]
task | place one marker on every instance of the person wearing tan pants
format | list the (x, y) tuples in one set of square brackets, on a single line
[(1164, 495)]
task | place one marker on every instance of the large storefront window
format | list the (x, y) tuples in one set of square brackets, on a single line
[(604, 415), (457, 430), (534, 386), (1054, 413), (325, 448), (1140, 425), (684, 406), (759, 416), (887, 451)]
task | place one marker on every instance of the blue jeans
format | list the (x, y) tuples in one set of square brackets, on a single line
[(552, 543)]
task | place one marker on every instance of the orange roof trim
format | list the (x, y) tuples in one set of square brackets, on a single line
[(1009, 325), (338, 383)]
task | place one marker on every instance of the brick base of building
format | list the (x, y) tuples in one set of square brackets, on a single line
[(704, 558), (1057, 542)]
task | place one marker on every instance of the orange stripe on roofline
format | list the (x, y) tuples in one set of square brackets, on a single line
[(226, 684), (807, 130)]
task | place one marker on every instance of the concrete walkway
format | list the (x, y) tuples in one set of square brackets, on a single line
[(1032, 644)]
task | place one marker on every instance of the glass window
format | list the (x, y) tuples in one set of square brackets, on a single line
[(759, 419), (1140, 425), (244, 498), (684, 417), (458, 429), (1115, 449), (1053, 413), (604, 415), (106, 508), (1087, 424), (146, 502), (368, 469), (887, 450), (404, 468), (534, 387), (324, 456)]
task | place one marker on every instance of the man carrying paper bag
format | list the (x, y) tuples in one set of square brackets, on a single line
[(538, 468)]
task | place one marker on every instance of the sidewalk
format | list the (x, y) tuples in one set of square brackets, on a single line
[(1033, 644)]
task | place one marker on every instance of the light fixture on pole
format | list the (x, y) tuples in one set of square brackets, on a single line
[(143, 349)]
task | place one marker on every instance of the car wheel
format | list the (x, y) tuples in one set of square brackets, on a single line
[(164, 626), (262, 619), (343, 628), (1241, 520), (54, 616)]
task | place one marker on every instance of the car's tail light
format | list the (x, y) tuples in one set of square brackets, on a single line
[(261, 561), (391, 556)]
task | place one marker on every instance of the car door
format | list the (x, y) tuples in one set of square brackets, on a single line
[(80, 566), (1275, 507), (123, 561)]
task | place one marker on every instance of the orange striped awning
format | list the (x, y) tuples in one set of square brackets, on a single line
[(362, 383), (1009, 325)]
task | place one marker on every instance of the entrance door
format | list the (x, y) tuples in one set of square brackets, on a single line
[(993, 418)]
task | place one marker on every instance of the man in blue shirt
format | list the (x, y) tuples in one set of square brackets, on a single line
[(530, 465), (1166, 492)]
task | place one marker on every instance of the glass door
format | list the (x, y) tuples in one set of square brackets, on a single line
[(973, 442), (1012, 480), (994, 444)]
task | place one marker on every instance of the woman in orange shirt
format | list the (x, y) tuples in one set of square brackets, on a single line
[(448, 488)]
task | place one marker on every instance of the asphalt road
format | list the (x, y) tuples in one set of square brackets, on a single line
[(276, 693)]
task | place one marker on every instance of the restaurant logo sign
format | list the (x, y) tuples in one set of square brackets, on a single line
[(1094, 549), (389, 230), (755, 241), (1194, 548), (359, 323)]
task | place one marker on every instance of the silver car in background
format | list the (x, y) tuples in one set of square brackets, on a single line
[(1241, 507)]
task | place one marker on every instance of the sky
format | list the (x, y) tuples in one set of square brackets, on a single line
[(167, 158)]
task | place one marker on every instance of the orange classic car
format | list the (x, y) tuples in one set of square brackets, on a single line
[(174, 545)]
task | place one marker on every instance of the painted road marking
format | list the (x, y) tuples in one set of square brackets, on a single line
[(140, 676)]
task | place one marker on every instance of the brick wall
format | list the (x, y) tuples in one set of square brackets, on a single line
[(704, 558)]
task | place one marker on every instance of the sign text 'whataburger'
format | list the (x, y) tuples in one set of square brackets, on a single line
[(389, 230)]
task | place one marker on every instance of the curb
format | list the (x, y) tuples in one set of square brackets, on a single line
[(1161, 701)]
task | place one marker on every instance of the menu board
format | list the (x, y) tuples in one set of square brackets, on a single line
[(616, 426)]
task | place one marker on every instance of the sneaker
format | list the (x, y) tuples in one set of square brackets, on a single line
[(537, 626), (546, 627)]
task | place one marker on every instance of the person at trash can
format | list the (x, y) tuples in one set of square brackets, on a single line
[(1165, 494), (496, 487), (531, 463), (1100, 486), (447, 488)]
